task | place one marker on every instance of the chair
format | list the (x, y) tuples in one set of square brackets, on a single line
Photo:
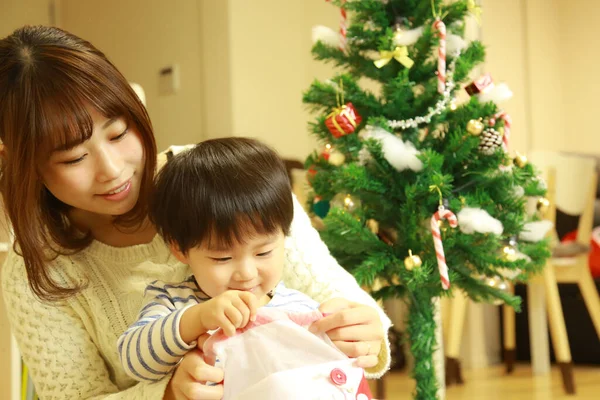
[(572, 182)]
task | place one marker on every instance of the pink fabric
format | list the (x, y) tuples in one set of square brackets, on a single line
[(276, 357)]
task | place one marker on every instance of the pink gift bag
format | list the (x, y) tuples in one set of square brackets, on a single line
[(276, 357)]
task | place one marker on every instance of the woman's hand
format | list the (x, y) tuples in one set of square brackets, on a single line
[(190, 377), (354, 328)]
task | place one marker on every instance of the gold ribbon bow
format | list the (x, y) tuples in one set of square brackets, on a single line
[(399, 53), (475, 10)]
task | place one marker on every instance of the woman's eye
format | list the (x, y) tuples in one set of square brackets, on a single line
[(266, 253), (121, 136), (75, 161)]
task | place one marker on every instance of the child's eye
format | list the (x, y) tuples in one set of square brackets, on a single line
[(266, 253), (220, 259)]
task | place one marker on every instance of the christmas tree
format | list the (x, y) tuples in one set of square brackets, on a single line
[(417, 192)]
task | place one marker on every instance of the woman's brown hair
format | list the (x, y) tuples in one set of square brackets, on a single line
[(47, 79)]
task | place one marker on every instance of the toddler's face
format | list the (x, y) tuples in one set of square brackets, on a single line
[(255, 265)]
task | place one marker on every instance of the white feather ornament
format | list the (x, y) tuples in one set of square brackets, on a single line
[(471, 220), (455, 43), (326, 35), (499, 93), (407, 38), (535, 231), (401, 155)]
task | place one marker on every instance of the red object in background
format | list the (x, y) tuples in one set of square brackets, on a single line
[(479, 85), (594, 258), (343, 120)]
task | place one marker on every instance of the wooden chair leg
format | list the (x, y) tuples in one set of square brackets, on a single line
[(538, 326), (510, 342), (558, 330), (456, 322), (591, 297), (380, 389)]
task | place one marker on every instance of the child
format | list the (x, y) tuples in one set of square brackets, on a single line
[(225, 208)]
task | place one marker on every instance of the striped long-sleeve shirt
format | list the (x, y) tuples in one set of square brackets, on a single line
[(151, 347)]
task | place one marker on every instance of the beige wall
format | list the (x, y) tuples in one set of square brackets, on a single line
[(578, 55), (141, 37), (16, 13), (269, 66)]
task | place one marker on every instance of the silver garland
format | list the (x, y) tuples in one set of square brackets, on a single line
[(440, 106)]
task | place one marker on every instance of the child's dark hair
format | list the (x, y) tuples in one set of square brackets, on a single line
[(220, 191)]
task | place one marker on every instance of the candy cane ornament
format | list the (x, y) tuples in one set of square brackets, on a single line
[(503, 115), (343, 26), (448, 215), (441, 70)]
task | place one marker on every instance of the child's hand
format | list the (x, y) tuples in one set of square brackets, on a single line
[(229, 311)]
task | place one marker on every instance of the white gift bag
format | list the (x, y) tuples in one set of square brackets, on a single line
[(276, 358)]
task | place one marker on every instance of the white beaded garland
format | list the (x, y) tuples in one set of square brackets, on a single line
[(440, 106)]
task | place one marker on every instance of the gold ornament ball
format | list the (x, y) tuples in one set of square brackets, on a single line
[(510, 254), (543, 204), (412, 261), (520, 160), (373, 226), (346, 202), (497, 283), (475, 127), (336, 158)]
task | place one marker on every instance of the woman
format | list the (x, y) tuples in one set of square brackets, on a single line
[(78, 161)]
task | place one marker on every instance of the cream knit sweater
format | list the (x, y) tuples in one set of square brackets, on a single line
[(70, 348)]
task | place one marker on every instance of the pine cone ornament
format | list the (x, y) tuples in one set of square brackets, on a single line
[(491, 139)]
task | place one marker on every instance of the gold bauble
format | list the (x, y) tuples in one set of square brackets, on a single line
[(373, 226), (412, 261), (497, 283), (520, 160), (346, 202), (543, 204), (509, 253), (475, 127), (336, 158)]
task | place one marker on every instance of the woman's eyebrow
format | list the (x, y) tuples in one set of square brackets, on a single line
[(109, 122)]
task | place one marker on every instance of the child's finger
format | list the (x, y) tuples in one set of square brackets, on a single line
[(234, 315), (252, 303), (243, 310), (226, 325)]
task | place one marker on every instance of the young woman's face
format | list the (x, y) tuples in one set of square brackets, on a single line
[(101, 175)]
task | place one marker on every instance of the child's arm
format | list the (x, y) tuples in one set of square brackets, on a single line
[(151, 347), (169, 324)]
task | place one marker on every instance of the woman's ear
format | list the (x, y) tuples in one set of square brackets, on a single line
[(178, 253)]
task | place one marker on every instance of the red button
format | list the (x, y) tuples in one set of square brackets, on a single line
[(338, 376)]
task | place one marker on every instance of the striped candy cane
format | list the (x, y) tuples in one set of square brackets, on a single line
[(503, 115), (441, 71), (343, 26), (441, 214)]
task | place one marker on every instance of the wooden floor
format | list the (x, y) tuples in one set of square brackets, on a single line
[(493, 384)]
